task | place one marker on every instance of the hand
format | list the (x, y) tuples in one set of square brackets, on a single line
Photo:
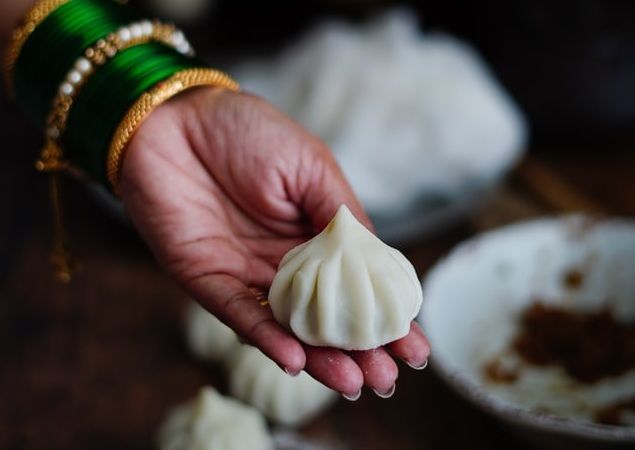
[(221, 185)]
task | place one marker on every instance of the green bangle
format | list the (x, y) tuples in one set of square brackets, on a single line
[(84, 65), (53, 47), (106, 97), (148, 101), (32, 19), (76, 66)]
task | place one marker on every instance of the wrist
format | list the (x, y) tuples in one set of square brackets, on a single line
[(89, 72), (184, 115), (148, 102)]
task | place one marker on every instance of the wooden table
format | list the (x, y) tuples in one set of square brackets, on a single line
[(95, 365)]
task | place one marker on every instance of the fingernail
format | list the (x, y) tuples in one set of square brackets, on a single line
[(291, 373), (418, 366), (354, 397), (389, 393)]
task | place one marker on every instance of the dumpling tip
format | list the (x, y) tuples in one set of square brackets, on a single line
[(342, 217)]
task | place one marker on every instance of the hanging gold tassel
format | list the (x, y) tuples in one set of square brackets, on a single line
[(51, 162)]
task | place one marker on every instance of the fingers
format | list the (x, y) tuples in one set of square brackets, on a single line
[(335, 369), (238, 307), (348, 373), (379, 369), (413, 349)]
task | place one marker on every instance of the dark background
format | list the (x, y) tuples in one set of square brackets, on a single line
[(96, 364), (570, 64)]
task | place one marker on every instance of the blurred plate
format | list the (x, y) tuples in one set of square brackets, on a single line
[(430, 215), (474, 297)]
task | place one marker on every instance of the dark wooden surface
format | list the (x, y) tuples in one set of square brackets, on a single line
[(95, 365)]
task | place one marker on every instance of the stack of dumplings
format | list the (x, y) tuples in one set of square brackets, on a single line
[(254, 378)]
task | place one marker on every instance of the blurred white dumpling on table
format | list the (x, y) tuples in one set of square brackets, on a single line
[(253, 377), (213, 422), (208, 338), (287, 400), (407, 114)]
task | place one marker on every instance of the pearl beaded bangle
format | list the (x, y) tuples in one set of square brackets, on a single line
[(104, 49)]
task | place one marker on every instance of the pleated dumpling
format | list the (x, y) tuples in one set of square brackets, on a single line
[(284, 399), (213, 422), (345, 288)]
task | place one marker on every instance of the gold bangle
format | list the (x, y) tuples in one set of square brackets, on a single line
[(149, 101), (34, 17)]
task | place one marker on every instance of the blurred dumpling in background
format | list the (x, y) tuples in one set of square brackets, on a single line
[(407, 114), (284, 399), (254, 378), (208, 338), (213, 422)]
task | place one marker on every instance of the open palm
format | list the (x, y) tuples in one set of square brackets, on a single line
[(221, 185)]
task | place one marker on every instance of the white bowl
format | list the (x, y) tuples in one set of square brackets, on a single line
[(474, 297)]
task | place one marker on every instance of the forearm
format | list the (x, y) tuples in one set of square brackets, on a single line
[(11, 12)]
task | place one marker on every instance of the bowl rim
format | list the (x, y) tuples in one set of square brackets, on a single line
[(478, 394)]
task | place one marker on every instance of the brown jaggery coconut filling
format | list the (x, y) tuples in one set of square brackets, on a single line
[(588, 346)]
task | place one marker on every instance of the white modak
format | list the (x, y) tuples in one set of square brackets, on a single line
[(345, 288), (213, 422)]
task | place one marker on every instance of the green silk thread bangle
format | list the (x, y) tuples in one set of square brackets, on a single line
[(111, 91), (56, 44), (96, 115)]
